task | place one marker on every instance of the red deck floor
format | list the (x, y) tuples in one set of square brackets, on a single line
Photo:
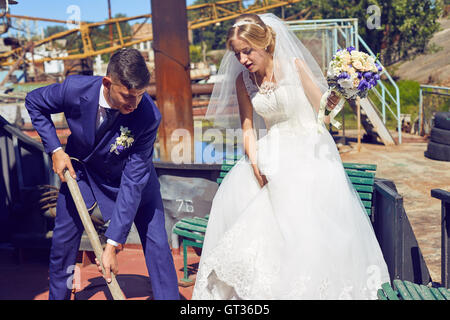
[(28, 279)]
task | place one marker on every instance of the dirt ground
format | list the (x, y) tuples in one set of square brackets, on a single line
[(431, 68), (414, 176)]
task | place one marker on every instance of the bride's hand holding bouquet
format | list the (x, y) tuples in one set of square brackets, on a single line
[(350, 74)]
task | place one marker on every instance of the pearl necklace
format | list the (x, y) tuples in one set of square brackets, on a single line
[(267, 87)]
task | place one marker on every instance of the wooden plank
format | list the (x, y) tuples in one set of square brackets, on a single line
[(390, 293), (359, 166), (367, 204), (437, 294), (425, 292), (381, 295), (365, 181), (365, 195), (201, 219), (402, 290), (364, 188), (412, 290), (190, 227), (226, 167), (362, 174), (445, 292), (188, 234), (197, 222)]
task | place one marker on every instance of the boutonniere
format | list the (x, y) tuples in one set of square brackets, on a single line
[(124, 141)]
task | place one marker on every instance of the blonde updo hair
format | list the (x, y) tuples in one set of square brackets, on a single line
[(256, 33)]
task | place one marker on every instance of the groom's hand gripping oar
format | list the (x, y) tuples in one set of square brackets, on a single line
[(113, 285)]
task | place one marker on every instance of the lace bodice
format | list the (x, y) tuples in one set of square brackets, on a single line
[(270, 106)]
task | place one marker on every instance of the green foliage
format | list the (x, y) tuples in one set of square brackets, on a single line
[(409, 104), (51, 30), (406, 26), (214, 35), (98, 35), (195, 53)]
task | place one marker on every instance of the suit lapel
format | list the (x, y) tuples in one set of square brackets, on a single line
[(89, 109)]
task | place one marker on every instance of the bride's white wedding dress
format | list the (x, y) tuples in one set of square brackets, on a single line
[(304, 235)]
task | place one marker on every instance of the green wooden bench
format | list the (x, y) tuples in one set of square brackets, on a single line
[(362, 177), (405, 290), (192, 230)]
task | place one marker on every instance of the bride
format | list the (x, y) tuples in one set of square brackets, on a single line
[(286, 222)]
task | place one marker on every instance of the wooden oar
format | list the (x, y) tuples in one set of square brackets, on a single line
[(113, 286)]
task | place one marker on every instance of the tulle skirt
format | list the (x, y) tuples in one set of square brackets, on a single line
[(304, 235)]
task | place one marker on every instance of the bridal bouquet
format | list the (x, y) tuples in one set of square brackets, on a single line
[(350, 74)]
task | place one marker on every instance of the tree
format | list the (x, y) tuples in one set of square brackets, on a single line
[(214, 35), (406, 26)]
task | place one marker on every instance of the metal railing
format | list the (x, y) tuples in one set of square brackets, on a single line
[(427, 89), (338, 33)]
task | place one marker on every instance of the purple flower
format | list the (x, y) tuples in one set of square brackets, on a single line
[(363, 85), (368, 75), (376, 76), (344, 75), (350, 49), (378, 67), (120, 148), (359, 75)]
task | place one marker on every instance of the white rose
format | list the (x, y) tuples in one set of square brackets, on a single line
[(358, 65), (346, 83)]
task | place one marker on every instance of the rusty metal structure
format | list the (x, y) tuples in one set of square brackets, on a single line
[(89, 48), (206, 14), (215, 12)]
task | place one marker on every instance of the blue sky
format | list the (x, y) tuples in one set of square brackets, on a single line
[(90, 10)]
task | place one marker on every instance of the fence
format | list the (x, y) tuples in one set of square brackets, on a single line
[(437, 100)]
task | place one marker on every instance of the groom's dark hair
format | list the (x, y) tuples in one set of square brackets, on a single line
[(129, 67)]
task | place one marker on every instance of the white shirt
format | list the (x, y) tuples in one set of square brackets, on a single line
[(101, 113), (101, 116)]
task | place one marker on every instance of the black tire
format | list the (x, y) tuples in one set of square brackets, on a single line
[(442, 120), (438, 151), (441, 136)]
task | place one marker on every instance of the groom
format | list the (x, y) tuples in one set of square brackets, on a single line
[(113, 124)]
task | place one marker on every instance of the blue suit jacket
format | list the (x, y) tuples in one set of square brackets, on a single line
[(119, 183)]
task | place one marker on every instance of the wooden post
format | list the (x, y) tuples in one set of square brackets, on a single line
[(113, 286), (172, 74), (355, 104), (358, 107)]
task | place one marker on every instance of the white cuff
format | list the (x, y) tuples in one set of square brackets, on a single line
[(56, 150), (112, 242)]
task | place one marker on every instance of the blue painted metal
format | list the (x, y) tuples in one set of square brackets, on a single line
[(348, 29)]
